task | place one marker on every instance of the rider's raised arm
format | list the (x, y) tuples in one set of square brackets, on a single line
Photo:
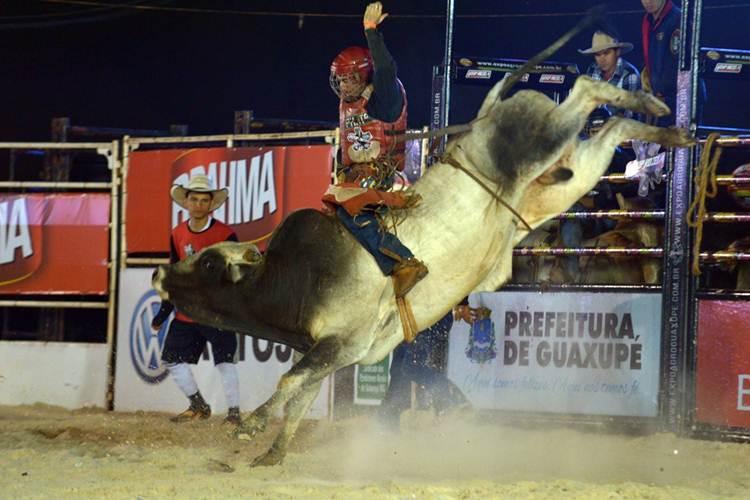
[(387, 100)]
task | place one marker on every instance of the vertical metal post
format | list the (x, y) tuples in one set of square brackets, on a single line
[(676, 289), (450, 8), (12, 165), (692, 343), (126, 149), (113, 161), (441, 85), (57, 163), (242, 121)]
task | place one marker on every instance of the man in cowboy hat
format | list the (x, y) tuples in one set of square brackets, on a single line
[(610, 67), (187, 339)]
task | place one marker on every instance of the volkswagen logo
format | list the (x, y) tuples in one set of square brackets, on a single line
[(146, 344)]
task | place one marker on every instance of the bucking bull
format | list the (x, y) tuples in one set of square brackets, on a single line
[(317, 290)]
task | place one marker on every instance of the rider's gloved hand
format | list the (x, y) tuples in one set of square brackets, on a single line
[(373, 15)]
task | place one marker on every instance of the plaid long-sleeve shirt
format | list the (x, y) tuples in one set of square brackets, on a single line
[(626, 77)]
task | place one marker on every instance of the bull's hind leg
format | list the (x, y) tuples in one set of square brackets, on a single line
[(597, 152)]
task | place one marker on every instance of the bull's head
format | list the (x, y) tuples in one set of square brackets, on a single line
[(200, 285)]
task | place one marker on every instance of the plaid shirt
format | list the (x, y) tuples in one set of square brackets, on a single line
[(625, 76)]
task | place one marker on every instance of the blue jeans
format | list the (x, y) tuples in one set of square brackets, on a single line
[(365, 227)]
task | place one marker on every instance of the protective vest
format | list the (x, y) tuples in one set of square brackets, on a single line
[(365, 139), (186, 243)]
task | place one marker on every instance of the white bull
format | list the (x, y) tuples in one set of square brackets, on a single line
[(318, 290)]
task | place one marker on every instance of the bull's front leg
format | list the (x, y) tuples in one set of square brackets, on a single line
[(600, 148), (289, 385), (257, 421), (295, 411), (297, 390), (588, 94)]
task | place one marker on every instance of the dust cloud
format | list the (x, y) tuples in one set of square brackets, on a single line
[(51, 452)]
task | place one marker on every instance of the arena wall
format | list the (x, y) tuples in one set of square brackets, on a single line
[(71, 375)]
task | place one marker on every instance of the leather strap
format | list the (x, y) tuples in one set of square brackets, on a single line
[(454, 163), (407, 319)]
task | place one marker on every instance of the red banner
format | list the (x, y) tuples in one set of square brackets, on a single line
[(723, 376), (54, 244), (265, 184)]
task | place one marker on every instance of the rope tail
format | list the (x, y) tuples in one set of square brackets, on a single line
[(706, 187)]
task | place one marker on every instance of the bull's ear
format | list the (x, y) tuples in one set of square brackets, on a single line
[(491, 98), (252, 255)]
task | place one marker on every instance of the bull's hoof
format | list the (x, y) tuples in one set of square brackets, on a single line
[(249, 428), (272, 457), (679, 137)]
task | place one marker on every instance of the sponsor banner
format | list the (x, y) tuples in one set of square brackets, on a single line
[(572, 353), (142, 382), (723, 371), (371, 382), (728, 64), (482, 74), (547, 78), (264, 184), (54, 243), (728, 68), (485, 72), (71, 375)]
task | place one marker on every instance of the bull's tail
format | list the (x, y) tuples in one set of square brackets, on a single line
[(593, 15)]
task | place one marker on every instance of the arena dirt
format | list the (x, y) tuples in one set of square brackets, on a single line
[(48, 452)]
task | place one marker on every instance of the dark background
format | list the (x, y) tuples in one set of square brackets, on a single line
[(195, 62)]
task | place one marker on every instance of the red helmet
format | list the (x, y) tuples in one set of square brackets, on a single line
[(351, 60)]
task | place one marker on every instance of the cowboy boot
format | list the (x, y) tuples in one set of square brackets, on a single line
[(198, 409), (406, 274)]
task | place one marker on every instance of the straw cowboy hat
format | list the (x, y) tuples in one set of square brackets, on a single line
[(602, 41), (198, 184)]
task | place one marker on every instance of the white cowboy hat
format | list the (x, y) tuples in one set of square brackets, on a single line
[(602, 41), (198, 184)]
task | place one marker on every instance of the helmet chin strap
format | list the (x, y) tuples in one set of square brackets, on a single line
[(350, 98)]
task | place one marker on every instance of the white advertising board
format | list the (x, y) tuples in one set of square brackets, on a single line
[(572, 353), (142, 382), (72, 375)]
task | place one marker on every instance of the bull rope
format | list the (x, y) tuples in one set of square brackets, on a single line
[(454, 163), (706, 187)]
